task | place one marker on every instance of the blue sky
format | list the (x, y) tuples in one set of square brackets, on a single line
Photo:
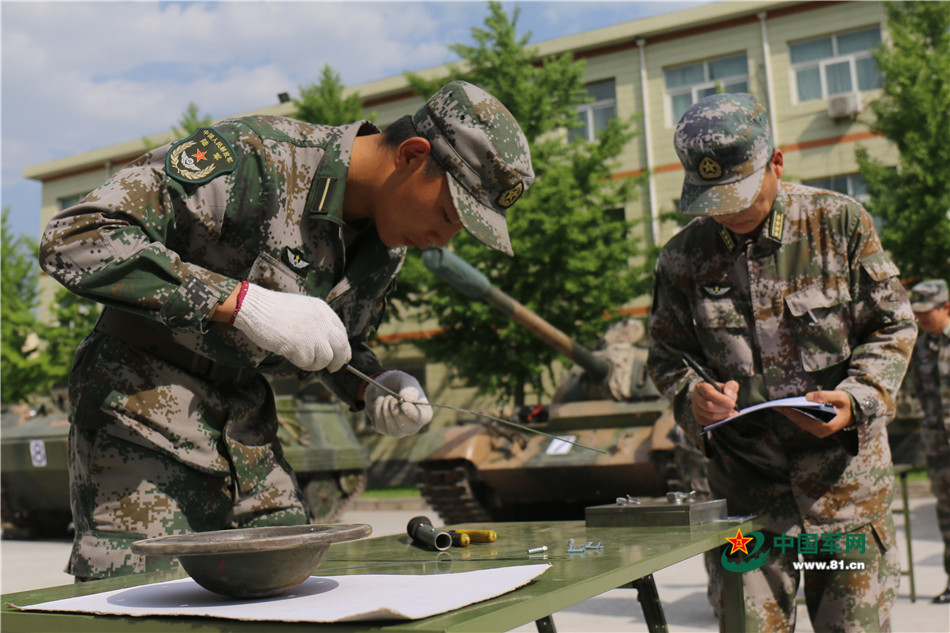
[(79, 76)]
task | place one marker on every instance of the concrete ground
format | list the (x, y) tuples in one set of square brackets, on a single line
[(36, 564)]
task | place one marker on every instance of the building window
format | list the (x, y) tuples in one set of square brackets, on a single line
[(836, 64), (595, 115), (849, 184), (685, 85)]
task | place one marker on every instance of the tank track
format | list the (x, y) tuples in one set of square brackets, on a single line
[(449, 492)]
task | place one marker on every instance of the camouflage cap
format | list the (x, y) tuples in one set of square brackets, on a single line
[(482, 148), (928, 295), (724, 142)]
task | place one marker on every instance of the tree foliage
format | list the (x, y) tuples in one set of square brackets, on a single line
[(572, 247), (20, 375), (191, 119), (35, 356), (71, 319), (323, 103), (914, 113)]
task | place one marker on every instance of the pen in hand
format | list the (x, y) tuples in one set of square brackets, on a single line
[(701, 371)]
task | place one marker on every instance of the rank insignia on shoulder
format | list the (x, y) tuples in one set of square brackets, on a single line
[(295, 260), (717, 291), (200, 157)]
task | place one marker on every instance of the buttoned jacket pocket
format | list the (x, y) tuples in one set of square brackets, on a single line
[(725, 335), (822, 315), (270, 273)]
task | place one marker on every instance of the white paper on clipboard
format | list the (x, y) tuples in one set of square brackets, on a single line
[(819, 411)]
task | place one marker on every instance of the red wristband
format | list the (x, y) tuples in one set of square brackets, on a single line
[(240, 299)]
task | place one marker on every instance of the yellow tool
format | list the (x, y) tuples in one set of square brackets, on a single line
[(480, 536)]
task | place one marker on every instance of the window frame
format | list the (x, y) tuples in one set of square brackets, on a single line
[(588, 110), (836, 58), (707, 83)]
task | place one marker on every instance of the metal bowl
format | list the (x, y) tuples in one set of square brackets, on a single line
[(252, 562)]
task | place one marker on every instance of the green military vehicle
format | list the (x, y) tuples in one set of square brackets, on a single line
[(317, 437), (481, 471)]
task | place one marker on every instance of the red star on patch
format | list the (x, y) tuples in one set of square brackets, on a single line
[(739, 542), (199, 155)]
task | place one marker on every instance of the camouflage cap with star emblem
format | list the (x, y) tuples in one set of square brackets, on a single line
[(483, 150), (725, 143), (928, 295)]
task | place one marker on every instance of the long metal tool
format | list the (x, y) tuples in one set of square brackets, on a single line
[(371, 380)]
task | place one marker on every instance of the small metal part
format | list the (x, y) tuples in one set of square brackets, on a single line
[(680, 497), (571, 549), (421, 531), (628, 501), (538, 550)]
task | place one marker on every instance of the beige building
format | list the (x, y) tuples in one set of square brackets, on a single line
[(810, 62)]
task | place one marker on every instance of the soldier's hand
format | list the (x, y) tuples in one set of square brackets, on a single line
[(304, 330), (838, 399), (709, 405), (392, 417)]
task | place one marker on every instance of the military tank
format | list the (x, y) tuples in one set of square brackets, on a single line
[(316, 435), (488, 471), (34, 480)]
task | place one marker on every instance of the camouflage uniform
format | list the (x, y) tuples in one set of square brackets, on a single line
[(931, 373), (811, 303), (173, 429)]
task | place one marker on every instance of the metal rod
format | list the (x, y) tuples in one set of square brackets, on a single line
[(357, 372)]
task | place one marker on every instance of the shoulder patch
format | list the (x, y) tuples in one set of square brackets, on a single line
[(200, 157)]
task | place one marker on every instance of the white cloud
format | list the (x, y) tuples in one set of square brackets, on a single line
[(78, 76)]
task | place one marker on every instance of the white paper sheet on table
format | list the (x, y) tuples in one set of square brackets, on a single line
[(317, 599)]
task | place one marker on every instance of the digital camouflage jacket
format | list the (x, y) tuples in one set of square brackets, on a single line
[(813, 303), (257, 198)]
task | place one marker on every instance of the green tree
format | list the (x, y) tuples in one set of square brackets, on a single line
[(72, 318), (191, 119), (324, 104), (20, 374), (914, 113), (572, 247)]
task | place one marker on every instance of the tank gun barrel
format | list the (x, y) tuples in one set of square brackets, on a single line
[(473, 284)]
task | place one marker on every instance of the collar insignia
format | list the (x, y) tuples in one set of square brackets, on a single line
[(727, 238), (200, 157), (295, 260), (777, 225), (717, 291)]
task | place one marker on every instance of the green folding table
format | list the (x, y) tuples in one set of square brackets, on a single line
[(627, 557)]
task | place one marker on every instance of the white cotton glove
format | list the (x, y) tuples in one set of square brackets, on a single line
[(387, 414), (304, 330)]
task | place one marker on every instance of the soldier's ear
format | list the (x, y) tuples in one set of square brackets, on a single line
[(412, 153), (778, 163)]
